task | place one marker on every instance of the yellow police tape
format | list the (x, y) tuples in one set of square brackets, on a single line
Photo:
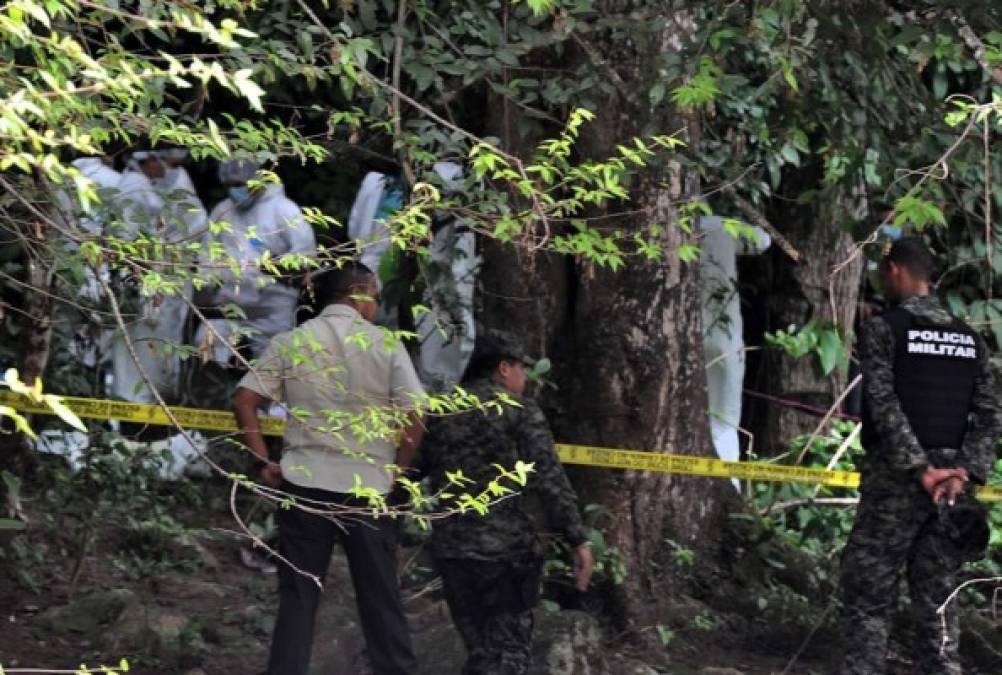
[(222, 420)]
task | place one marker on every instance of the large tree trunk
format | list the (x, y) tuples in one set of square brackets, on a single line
[(35, 232), (627, 348), (29, 211), (801, 292)]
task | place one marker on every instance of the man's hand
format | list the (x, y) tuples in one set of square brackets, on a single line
[(271, 474), (949, 490), (932, 477), (583, 564)]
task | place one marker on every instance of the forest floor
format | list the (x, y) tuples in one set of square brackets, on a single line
[(172, 595)]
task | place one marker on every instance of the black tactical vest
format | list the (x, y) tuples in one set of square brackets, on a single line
[(935, 367)]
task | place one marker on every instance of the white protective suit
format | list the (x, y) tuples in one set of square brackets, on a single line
[(447, 333), (90, 343), (366, 224), (106, 181), (723, 342), (169, 211), (270, 305)]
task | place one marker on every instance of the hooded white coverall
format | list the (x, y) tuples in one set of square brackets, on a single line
[(723, 341), (448, 332), (364, 225), (274, 224), (91, 344), (171, 212)]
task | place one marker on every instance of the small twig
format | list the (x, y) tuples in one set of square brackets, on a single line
[(975, 44), (842, 449), (807, 639), (989, 250), (258, 541), (794, 503), (430, 587), (953, 596), (598, 62), (828, 415), (718, 359), (857, 250), (398, 57)]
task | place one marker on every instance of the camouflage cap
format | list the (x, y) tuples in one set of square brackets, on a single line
[(493, 343)]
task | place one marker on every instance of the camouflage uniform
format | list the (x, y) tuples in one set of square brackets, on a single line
[(897, 525), (491, 565)]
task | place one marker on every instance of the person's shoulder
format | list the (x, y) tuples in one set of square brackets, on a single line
[(282, 341), (221, 209), (884, 320), (314, 328), (353, 327), (526, 411), (285, 206)]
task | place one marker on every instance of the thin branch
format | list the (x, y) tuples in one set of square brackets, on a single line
[(805, 501), (753, 214), (398, 57), (975, 44), (258, 542), (828, 415)]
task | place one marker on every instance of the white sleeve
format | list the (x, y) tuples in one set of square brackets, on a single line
[(297, 233)]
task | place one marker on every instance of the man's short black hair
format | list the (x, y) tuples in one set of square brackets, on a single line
[(338, 283), (912, 254)]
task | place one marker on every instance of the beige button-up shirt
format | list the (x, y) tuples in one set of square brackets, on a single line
[(342, 379)]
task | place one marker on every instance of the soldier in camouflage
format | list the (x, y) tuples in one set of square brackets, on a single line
[(929, 428), (491, 564)]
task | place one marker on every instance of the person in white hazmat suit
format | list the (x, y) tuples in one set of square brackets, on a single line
[(379, 197), (161, 205), (447, 333), (261, 220), (723, 342), (90, 342)]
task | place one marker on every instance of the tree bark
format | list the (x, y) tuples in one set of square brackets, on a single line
[(38, 301), (626, 346), (801, 292)]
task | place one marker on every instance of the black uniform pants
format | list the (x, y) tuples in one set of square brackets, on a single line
[(307, 541), (491, 605), (896, 532)]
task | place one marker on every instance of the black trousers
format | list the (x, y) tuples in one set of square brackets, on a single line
[(307, 541), (491, 605)]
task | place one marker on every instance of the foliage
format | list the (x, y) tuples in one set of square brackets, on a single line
[(821, 339), (609, 567), (122, 667), (33, 393), (682, 556), (791, 512), (118, 487), (990, 567), (885, 103), (797, 106)]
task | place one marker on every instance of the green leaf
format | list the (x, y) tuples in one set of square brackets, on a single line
[(657, 93), (10, 524), (918, 212), (830, 350), (540, 7), (790, 154), (248, 88)]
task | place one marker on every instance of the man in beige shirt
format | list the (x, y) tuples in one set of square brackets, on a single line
[(352, 392)]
